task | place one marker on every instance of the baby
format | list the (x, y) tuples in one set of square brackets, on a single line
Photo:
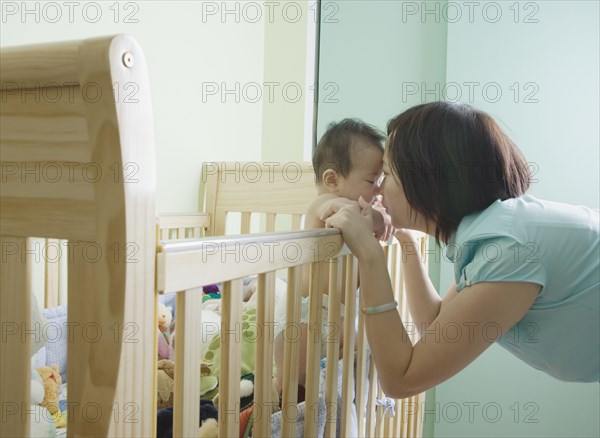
[(348, 163)]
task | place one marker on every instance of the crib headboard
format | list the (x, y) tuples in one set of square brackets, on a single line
[(270, 188), (77, 163)]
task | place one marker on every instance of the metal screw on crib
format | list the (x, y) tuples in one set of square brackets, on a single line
[(128, 59)]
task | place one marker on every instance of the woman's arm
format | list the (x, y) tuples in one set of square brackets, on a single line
[(466, 325), (423, 300)]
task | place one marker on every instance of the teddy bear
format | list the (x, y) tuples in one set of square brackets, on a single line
[(165, 383), (42, 424), (164, 320), (51, 381)]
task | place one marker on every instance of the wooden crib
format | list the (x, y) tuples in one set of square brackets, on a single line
[(78, 164)]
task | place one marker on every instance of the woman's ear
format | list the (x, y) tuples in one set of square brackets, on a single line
[(330, 180)]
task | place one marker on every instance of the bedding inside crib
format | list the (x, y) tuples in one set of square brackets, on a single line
[(55, 352)]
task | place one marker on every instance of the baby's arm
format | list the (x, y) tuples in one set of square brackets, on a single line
[(380, 219), (317, 208)]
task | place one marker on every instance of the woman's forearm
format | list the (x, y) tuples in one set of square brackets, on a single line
[(388, 340), (423, 300)]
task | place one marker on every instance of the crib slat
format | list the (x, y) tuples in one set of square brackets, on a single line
[(361, 373), (51, 273), (265, 315), (181, 233), (409, 417), (313, 350), (413, 414), (270, 227), (229, 379), (386, 423), (404, 420), (296, 222), (15, 308), (290, 354), (396, 420), (420, 418), (397, 282), (186, 407), (371, 420), (349, 338), (333, 345), (245, 226), (379, 414)]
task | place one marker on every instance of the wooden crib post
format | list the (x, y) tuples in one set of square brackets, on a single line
[(116, 291), (103, 202), (16, 332)]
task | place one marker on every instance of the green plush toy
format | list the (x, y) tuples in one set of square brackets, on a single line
[(212, 357)]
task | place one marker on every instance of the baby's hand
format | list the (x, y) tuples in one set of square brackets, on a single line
[(382, 222)]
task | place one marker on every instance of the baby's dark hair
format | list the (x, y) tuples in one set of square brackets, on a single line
[(334, 148)]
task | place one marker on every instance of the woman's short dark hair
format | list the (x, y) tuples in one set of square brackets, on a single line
[(453, 160), (333, 149)]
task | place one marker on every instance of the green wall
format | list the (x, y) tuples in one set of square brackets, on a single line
[(551, 52), (368, 65), (542, 59)]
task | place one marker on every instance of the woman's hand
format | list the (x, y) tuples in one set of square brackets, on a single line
[(355, 223)]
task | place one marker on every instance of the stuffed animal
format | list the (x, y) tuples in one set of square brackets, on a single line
[(165, 383), (51, 380), (42, 424), (165, 316), (209, 427), (164, 320), (212, 357), (209, 417)]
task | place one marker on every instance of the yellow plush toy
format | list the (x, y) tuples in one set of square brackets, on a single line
[(51, 380)]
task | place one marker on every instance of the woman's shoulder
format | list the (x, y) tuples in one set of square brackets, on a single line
[(516, 218)]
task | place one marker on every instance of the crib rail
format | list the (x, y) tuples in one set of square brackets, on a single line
[(184, 266)]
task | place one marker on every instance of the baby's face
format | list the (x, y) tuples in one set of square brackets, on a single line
[(365, 176)]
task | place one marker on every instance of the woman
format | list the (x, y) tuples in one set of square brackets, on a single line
[(527, 271)]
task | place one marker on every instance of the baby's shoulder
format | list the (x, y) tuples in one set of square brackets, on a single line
[(321, 200), (315, 210)]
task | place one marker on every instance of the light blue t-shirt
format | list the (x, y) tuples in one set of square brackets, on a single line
[(551, 244)]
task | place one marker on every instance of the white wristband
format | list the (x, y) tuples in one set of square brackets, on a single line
[(380, 309)]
